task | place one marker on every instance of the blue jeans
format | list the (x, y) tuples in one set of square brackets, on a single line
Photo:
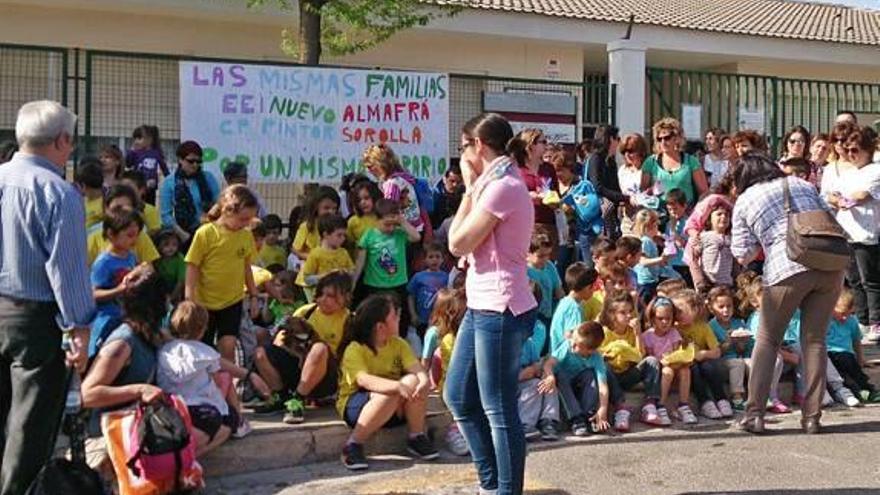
[(647, 371), (579, 393), (482, 391), (585, 249)]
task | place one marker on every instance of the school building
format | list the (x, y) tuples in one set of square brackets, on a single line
[(766, 64)]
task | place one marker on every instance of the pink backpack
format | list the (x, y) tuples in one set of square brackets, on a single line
[(161, 445)]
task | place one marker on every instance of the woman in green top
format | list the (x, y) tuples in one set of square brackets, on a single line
[(670, 168)]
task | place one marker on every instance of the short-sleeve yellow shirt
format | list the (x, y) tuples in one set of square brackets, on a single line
[(391, 361), (700, 334), (144, 249), (222, 256), (331, 328), (322, 260), (305, 239)]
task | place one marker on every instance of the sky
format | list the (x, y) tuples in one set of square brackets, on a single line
[(870, 4)]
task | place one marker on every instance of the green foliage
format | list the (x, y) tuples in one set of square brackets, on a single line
[(350, 26)]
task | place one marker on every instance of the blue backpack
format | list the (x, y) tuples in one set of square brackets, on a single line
[(587, 207)]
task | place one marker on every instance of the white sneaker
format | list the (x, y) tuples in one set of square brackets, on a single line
[(687, 416), (456, 442), (846, 396), (243, 430), (708, 409), (725, 408), (663, 414), (621, 420)]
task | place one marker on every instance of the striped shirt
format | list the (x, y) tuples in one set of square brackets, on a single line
[(43, 239), (759, 220)]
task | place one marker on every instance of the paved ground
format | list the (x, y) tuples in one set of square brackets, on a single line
[(708, 459)]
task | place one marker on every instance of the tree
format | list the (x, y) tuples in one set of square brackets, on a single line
[(343, 27)]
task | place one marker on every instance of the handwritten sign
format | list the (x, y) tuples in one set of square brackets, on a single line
[(306, 124)]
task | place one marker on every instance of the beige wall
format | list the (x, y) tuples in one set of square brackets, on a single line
[(251, 40)]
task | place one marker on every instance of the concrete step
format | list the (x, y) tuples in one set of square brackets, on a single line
[(274, 445)]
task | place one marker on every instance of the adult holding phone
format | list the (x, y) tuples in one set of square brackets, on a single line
[(492, 228)]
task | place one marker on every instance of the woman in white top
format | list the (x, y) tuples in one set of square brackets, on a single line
[(714, 163), (634, 149), (855, 194)]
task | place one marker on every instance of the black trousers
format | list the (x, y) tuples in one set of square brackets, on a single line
[(707, 381), (848, 366), (32, 392), (863, 278)]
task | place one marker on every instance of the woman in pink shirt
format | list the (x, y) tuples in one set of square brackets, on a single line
[(493, 227)]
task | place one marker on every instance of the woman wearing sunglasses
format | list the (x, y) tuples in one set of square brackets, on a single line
[(856, 197), (188, 193), (527, 149), (670, 168)]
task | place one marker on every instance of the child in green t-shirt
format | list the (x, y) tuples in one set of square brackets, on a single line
[(171, 267), (382, 256)]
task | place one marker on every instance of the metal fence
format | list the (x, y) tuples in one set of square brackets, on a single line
[(115, 92), (772, 104)]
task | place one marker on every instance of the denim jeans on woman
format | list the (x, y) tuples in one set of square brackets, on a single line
[(482, 390)]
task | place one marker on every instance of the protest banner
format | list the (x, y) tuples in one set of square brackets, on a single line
[(309, 124)]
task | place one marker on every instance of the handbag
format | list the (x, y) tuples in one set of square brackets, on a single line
[(814, 238)]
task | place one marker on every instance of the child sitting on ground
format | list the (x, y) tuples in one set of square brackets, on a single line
[(136, 181), (110, 270), (543, 271), (675, 235), (622, 349), (845, 349), (707, 377), (539, 412), (318, 380), (194, 371), (449, 309), (735, 340), (569, 313), (381, 383), (580, 372), (328, 256), (661, 340), (423, 286)]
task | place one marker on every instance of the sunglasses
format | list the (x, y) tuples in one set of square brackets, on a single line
[(542, 141), (795, 141), (194, 161), (663, 139), (855, 150)]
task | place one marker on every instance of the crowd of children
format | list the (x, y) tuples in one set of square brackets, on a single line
[(362, 311)]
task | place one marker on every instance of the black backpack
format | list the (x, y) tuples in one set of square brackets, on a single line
[(160, 442)]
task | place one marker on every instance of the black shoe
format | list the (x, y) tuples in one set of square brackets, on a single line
[(579, 427), (353, 457), (272, 405), (421, 447), (549, 430)]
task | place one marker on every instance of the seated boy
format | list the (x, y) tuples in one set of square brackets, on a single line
[(582, 379), (539, 412), (570, 311), (318, 376)]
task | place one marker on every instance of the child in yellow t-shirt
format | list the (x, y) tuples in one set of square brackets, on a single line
[(317, 378), (120, 196), (325, 202), (379, 370), (327, 257), (272, 252), (90, 179), (707, 370), (218, 264), (624, 353), (362, 199), (138, 182)]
